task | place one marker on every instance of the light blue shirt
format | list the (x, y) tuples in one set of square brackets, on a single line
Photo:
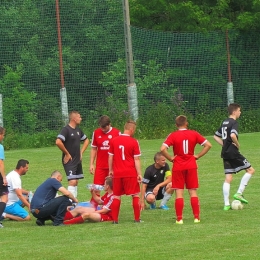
[(2, 152)]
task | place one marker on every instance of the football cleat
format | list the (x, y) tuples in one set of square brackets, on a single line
[(165, 207), (153, 206), (227, 207), (240, 197)]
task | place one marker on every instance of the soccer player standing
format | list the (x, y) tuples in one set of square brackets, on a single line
[(100, 143), (125, 167), (184, 171), (68, 141), (227, 137)]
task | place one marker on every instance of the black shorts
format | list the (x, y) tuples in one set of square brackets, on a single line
[(236, 165), (3, 188), (160, 194), (73, 171)]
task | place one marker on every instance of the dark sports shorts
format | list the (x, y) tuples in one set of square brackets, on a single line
[(3, 188), (160, 194), (236, 165), (73, 171)]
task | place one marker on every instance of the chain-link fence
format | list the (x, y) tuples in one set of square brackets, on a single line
[(174, 72)]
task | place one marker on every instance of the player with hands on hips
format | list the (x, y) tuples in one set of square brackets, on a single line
[(68, 141), (184, 170)]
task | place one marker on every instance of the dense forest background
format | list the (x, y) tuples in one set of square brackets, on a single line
[(180, 59)]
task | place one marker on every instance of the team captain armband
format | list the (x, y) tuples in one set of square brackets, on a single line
[(168, 173)]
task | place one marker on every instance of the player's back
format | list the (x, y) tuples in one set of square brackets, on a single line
[(184, 142), (124, 148), (229, 150)]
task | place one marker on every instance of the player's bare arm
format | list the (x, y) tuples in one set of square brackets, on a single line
[(143, 189), (96, 197), (206, 146), (218, 140), (93, 155), (84, 147), (61, 146), (110, 164), (102, 211), (138, 168), (19, 193), (234, 139), (164, 151), (65, 192)]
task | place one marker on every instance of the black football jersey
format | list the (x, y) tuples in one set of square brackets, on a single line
[(229, 150)]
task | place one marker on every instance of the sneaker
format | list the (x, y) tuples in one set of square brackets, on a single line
[(138, 221), (226, 208), (196, 220), (1, 225), (240, 197), (180, 222), (40, 222), (165, 207), (2, 218), (153, 206), (114, 222)]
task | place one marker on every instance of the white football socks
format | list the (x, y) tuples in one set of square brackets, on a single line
[(226, 191), (73, 190), (165, 199), (245, 179)]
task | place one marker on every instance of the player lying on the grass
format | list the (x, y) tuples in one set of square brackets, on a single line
[(81, 214), (156, 184)]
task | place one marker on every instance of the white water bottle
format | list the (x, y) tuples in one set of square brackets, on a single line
[(30, 195), (95, 187)]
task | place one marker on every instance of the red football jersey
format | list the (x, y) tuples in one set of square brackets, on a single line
[(184, 142), (124, 148), (107, 200), (101, 141)]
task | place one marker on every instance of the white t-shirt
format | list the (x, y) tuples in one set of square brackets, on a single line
[(14, 182)]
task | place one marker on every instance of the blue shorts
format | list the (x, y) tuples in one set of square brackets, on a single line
[(16, 209)]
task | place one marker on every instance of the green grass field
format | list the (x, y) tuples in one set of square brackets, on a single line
[(220, 235)]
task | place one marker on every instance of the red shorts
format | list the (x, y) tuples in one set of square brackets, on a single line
[(126, 186), (100, 175), (105, 217), (188, 178)]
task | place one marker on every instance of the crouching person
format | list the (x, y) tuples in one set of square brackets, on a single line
[(46, 206)]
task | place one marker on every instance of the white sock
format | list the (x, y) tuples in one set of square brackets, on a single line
[(72, 189), (165, 199), (226, 191), (76, 191), (244, 182)]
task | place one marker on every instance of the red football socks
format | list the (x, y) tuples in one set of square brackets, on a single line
[(115, 207), (179, 204), (136, 207), (195, 204), (76, 220), (68, 216)]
